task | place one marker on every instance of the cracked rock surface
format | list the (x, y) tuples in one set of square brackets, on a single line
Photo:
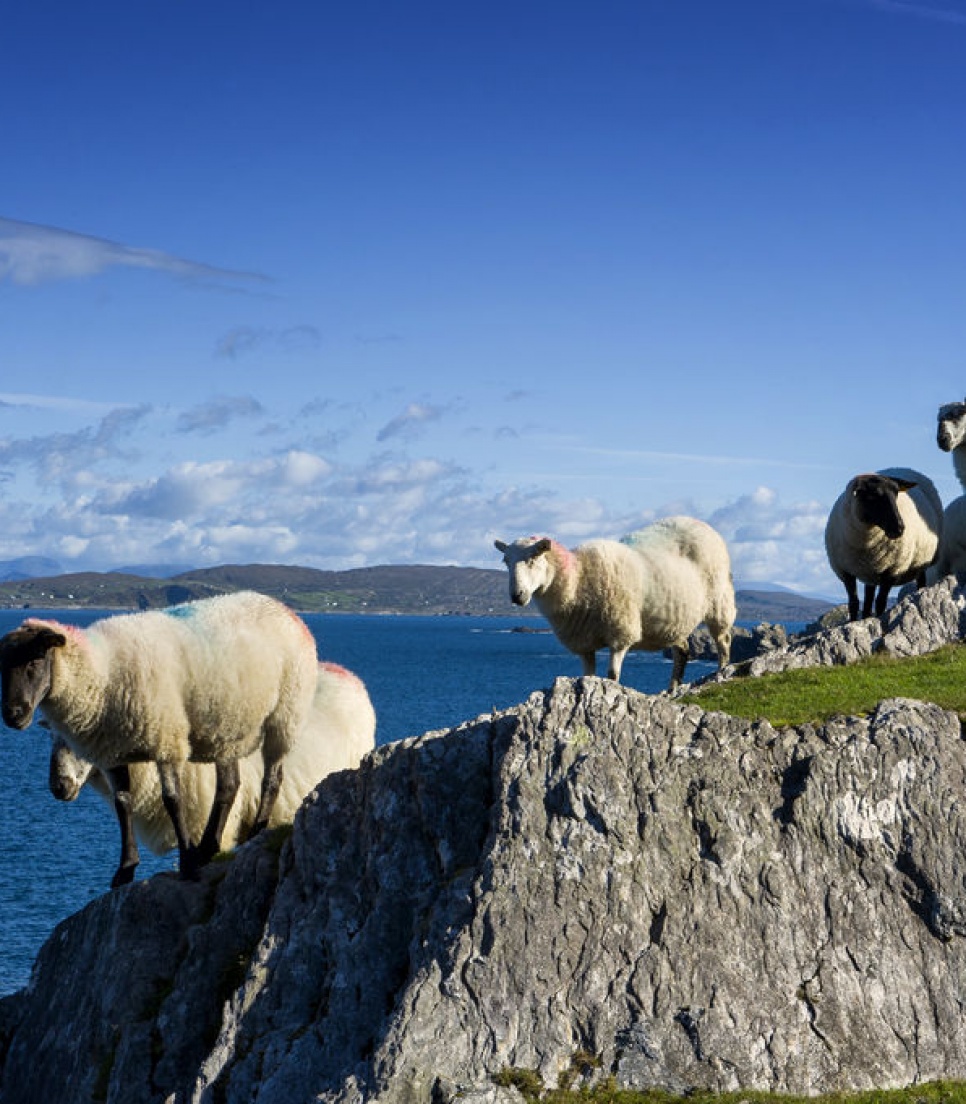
[(683, 899)]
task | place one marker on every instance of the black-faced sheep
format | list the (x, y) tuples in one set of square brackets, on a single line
[(211, 681), (646, 592), (339, 732), (883, 530)]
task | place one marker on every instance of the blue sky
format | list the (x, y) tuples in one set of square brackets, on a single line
[(349, 284)]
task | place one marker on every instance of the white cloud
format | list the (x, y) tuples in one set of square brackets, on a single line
[(770, 541), (130, 487), (32, 254)]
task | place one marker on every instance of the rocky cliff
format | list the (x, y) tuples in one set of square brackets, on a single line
[(595, 883)]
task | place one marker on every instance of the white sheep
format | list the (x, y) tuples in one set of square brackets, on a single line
[(647, 592), (212, 681), (951, 437), (883, 530), (951, 559), (338, 733)]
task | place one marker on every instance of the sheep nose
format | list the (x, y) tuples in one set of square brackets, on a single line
[(518, 599), (16, 716), (63, 790)]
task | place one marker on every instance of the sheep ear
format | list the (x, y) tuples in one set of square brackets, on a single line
[(542, 545), (46, 638), (499, 545), (906, 484), (43, 636)]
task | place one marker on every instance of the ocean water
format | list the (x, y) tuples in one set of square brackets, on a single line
[(422, 673)]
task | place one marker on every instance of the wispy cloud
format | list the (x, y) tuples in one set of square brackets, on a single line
[(61, 458), (243, 340), (710, 460), (33, 254), (63, 403), (413, 418), (218, 413)]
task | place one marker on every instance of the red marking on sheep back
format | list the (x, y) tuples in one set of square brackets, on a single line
[(306, 631), (339, 671), (564, 556)]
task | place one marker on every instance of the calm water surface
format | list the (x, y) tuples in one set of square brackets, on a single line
[(423, 673)]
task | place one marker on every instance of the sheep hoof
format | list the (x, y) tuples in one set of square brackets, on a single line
[(123, 876), (190, 863)]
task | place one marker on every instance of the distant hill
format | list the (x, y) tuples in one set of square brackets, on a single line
[(387, 589), (28, 567)]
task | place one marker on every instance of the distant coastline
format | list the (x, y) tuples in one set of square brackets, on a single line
[(391, 589)]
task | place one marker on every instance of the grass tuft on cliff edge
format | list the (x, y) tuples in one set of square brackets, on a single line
[(933, 1092), (815, 694)]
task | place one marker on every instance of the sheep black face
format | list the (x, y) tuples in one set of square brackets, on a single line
[(25, 672), (875, 498), (530, 571), (951, 430)]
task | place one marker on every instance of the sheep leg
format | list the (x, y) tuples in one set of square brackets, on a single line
[(271, 784), (852, 593), (722, 643), (120, 779), (228, 779), (616, 662), (867, 600), (170, 775), (680, 655), (880, 601), (588, 661)]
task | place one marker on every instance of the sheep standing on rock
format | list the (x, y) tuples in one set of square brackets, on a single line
[(951, 437), (338, 733), (883, 530), (212, 681), (647, 592)]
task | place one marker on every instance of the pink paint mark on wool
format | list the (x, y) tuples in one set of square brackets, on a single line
[(339, 671), (566, 559), (306, 631)]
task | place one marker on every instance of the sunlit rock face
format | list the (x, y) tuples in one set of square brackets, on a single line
[(593, 884)]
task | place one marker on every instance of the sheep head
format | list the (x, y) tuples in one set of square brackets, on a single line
[(68, 772), (951, 431), (26, 670), (531, 569), (874, 499)]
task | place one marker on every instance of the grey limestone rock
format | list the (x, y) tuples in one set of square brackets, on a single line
[(595, 883)]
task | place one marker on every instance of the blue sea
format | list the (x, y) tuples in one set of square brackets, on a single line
[(423, 673)]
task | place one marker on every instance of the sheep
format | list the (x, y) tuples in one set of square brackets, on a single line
[(646, 592), (883, 529), (339, 731), (951, 559), (212, 680), (951, 436)]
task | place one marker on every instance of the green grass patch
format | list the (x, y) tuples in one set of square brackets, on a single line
[(934, 1092), (815, 694)]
